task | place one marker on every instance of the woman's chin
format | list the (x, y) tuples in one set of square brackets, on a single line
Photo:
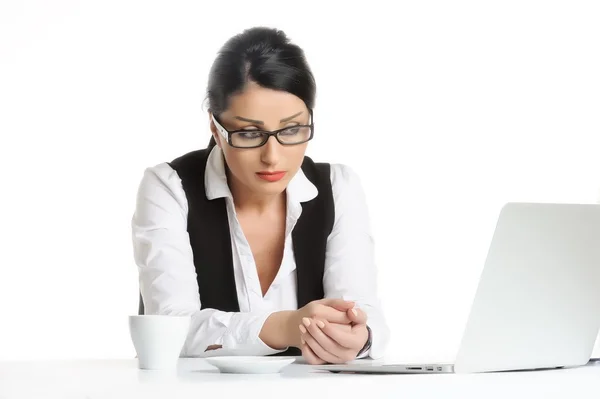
[(270, 187)]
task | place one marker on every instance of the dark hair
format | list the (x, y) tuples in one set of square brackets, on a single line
[(264, 56)]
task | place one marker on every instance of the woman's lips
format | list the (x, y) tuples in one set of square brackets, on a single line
[(271, 176)]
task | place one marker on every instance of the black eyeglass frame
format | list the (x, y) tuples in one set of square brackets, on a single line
[(267, 135)]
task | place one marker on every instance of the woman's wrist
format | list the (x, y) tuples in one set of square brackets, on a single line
[(294, 318), (278, 330)]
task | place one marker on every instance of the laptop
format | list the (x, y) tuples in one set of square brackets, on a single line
[(537, 305)]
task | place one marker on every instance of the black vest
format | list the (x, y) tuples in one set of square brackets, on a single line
[(210, 239)]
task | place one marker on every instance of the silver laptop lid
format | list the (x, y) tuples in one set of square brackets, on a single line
[(538, 301)]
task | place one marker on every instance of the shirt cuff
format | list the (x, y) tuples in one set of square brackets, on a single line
[(243, 335), (366, 350)]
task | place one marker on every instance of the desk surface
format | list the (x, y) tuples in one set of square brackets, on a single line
[(193, 377)]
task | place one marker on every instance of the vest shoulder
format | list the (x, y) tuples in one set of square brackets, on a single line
[(314, 169)]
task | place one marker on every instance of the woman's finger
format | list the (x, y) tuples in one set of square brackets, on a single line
[(357, 316), (315, 328), (342, 327), (332, 315), (348, 339), (338, 304), (316, 348), (309, 355)]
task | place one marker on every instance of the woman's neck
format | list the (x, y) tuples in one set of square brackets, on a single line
[(250, 202)]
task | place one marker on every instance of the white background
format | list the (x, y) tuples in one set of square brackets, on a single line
[(445, 109)]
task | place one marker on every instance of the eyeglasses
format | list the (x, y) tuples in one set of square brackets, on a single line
[(292, 135)]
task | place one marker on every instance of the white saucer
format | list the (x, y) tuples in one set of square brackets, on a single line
[(250, 364)]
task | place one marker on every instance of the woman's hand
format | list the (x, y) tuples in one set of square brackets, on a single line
[(330, 310), (281, 328), (325, 342)]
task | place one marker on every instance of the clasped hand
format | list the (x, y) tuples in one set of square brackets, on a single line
[(331, 331)]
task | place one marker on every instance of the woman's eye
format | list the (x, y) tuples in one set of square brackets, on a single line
[(290, 131), (251, 134)]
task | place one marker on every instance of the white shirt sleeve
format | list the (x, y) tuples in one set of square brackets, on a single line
[(350, 270), (167, 275)]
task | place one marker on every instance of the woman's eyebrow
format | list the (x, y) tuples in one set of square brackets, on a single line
[(290, 117), (241, 118)]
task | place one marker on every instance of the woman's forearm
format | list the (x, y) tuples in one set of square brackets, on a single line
[(278, 331)]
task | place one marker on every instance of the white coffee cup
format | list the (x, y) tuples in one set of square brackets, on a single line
[(158, 340)]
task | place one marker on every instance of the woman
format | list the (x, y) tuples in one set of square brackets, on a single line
[(269, 252)]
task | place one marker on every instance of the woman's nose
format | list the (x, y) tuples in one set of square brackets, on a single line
[(270, 151)]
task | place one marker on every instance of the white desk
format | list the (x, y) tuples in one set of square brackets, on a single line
[(196, 379)]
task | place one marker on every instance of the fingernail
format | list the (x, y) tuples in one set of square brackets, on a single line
[(302, 329), (354, 312), (306, 321), (320, 324), (302, 341)]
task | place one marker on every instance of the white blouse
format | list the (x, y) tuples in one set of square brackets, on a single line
[(167, 275)]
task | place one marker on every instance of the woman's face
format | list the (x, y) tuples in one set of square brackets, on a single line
[(265, 170)]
